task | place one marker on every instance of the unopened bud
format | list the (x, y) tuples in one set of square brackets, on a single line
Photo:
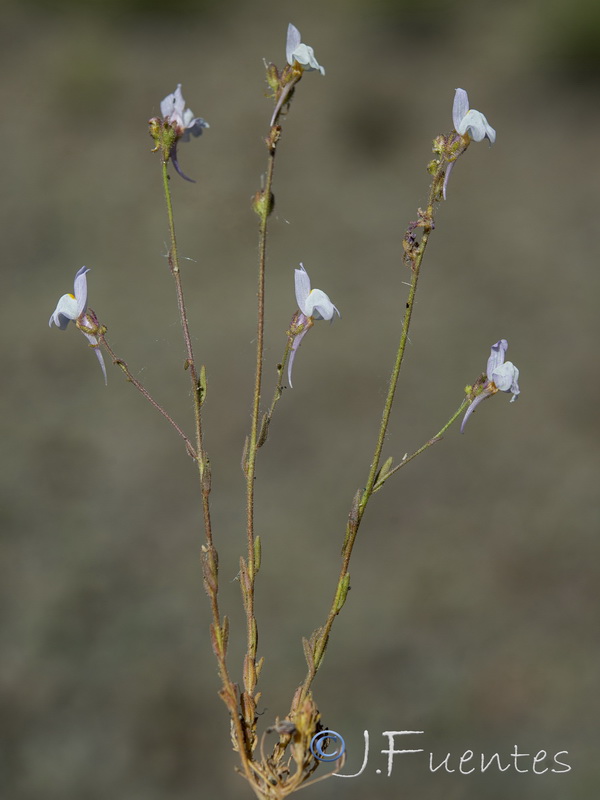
[(262, 205), (273, 77)]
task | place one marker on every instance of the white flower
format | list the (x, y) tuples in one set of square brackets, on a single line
[(173, 111), (312, 302), (314, 305), (467, 120), (296, 51), (501, 376), (181, 121), (73, 308)]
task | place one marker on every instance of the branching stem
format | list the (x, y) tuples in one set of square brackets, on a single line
[(414, 252)]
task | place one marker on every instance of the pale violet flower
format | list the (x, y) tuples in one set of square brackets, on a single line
[(501, 376), (73, 308), (314, 304), (297, 51), (173, 111), (300, 57), (183, 122), (467, 120)]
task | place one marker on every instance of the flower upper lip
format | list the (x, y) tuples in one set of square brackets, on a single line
[(501, 376)]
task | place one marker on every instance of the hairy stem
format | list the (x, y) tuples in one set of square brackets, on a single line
[(249, 568), (219, 629), (268, 416)]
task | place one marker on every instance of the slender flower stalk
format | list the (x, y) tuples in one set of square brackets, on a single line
[(387, 471), (249, 566), (220, 626), (144, 392), (278, 391)]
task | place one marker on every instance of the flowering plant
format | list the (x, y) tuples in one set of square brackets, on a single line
[(293, 757)]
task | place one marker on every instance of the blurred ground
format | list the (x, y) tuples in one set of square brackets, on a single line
[(474, 608)]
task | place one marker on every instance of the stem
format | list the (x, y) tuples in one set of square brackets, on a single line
[(142, 389), (266, 420), (434, 440), (197, 393), (249, 569), (414, 252), (219, 630)]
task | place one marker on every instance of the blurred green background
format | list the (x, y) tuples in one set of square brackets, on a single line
[(474, 610)]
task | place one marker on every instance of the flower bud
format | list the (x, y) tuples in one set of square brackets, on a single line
[(262, 205)]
